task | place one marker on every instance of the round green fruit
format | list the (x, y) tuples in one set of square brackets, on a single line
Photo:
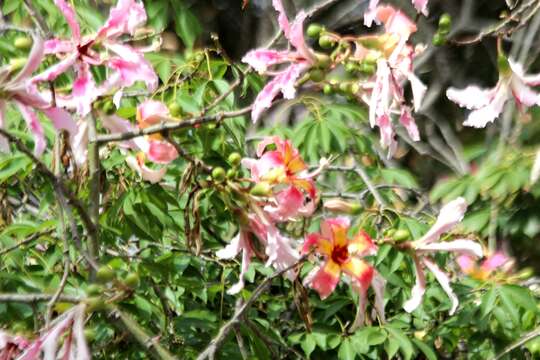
[(234, 159), (94, 289), (132, 280), (314, 30), (401, 235), (328, 89), (104, 274), (218, 174), (232, 173), (326, 42), (438, 39), (174, 108), (95, 303), (316, 75), (445, 22), (22, 42)]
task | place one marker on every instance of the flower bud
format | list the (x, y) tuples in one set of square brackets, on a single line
[(174, 108), (368, 69), (314, 30), (342, 206), (261, 189), (401, 235)]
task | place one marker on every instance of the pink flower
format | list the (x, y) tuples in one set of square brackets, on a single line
[(450, 215), (299, 61), (284, 171), (80, 52), (490, 264), (487, 104), (343, 254), (24, 95), (394, 68), (421, 6), (73, 346), (279, 252), (11, 345)]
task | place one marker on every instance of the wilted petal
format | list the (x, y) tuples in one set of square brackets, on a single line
[(408, 123), (360, 316), (472, 97), (421, 6), (444, 281), (463, 246), (451, 214), (153, 176), (326, 279), (370, 15), (71, 18), (261, 59), (35, 128), (379, 283), (124, 18), (161, 152), (418, 290)]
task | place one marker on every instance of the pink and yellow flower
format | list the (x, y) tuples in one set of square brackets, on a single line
[(342, 254), (450, 215), (128, 64), (286, 174), (489, 265), (299, 60), (487, 104)]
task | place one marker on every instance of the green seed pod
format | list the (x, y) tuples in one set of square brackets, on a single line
[(234, 159), (261, 189), (350, 67), (22, 42), (104, 274), (445, 22), (328, 89), (326, 42), (345, 87), (401, 235), (174, 108), (367, 69), (94, 289), (218, 174), (132, 280), (323, 60), (438, 39), (316, 75), (232, 174), (95, 303), (314, 30)]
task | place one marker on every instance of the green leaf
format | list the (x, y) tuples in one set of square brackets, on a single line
[(426, 349), (346, 350), (519, 295), (488, 302), (405, 344), (308, 344)]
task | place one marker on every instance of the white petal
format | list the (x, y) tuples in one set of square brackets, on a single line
[(444, 281), (463, 246), (417, 293), (450, 215)]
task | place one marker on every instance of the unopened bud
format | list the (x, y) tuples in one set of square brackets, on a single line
[(342, 206), (401, 235)]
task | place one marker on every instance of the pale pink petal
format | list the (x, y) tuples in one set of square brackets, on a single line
[(395, 21), (444, 281), (61, 119), (481, 117), (152, 111), (387, 134), (381, 95), (239, 243), (261, 147), (52, 338), (418, 290), (161, 152), (280, 252), (523, 94), (283, 82), (517, 69), (535, 171), (82, 352), (418, 90), (371, 13), (132, 67), (472, 97), (71, 18), (150, 175), (494, 261), (79, 142), (296, 37), (408, 123), (55, 46), (4, 143), (84, 90), (116, 124), (57, 69), (35, 128), (466, 263), (421, 6), (283, 21), (289, 202), (450, 215), (261, 59), (463, 246), (124, 18), (34, 59)]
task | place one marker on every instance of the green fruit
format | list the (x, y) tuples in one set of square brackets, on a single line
[(104, 274), (22, 42), (218, 174), (350, 67), (401, 235), (314, 30), (174, 108), (354, 88), (328, 89), (438, 39), (326, 42), (323, 60), (95, 303), (17, 63), (261, 189), (232, 173), (234, 159), (367, 68), (390, 232), (345, 87), (94, 289), (316, 75), (445, 22), (132, 280)]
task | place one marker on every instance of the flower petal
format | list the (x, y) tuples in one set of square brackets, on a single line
[(408, 123), (362, 244), (472, 97), (55, 46), (481, 117), (35, 128), (326, 279), (450, 215), (124, 18), (463, 246), (466, 263), (57, 69), (4, 143), (395, 21), (34, 60), (421, 6), (116, 124), (132, 66), (289, 202), (280, 253), (71, 18), (151, 112), (296, 37), (444, 281), (161, 152), (524, 94), (239, 243), (494, 261), (261, 59), (517, 69), (283, 21), (418, 90), (370, 15), (84, 90), (360, 272), (418, 290), (153, 176), (379, 283)]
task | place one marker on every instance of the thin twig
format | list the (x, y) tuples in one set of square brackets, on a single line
[(28, 240), (215, 343), (33, 298), (94, 169), (528, 336), (38, 19)]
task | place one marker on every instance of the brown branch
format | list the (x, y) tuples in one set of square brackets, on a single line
[(215, 343), (528, 336), (28, 240), (95, 194)]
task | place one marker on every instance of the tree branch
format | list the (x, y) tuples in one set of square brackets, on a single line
[(33, 298)]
